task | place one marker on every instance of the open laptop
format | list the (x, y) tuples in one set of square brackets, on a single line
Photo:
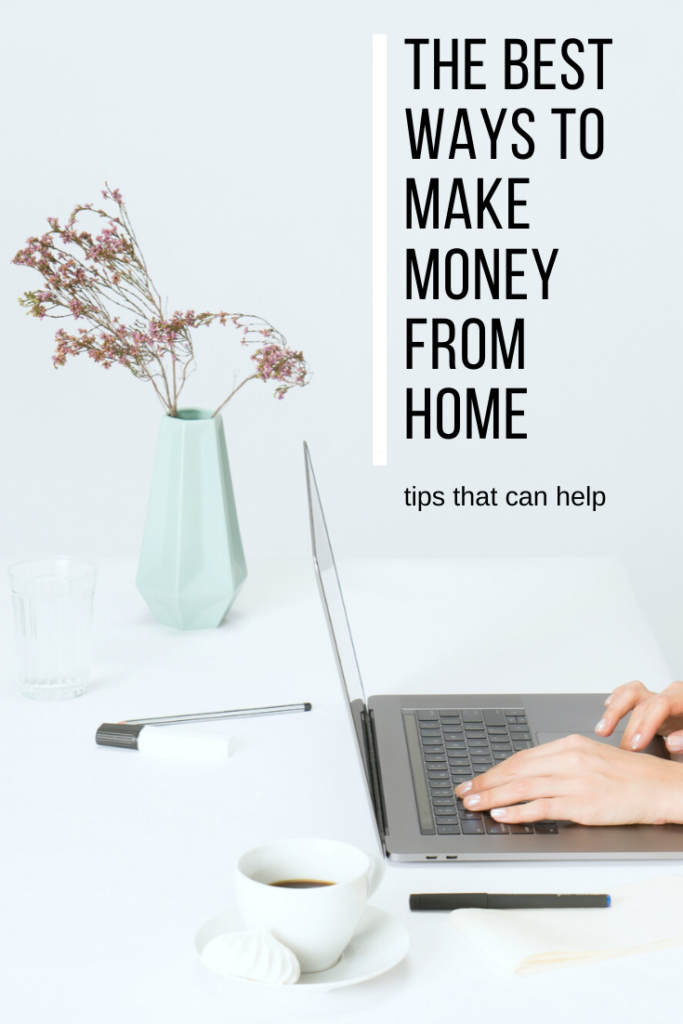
[(415, 749)]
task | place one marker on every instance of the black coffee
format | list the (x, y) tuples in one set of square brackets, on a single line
[(300, 883)]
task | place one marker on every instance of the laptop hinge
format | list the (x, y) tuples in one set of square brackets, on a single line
[(376, 793)]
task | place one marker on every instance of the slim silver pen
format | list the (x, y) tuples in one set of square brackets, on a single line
[(207, 716)]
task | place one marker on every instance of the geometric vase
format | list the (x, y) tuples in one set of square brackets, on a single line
[(192, 563)]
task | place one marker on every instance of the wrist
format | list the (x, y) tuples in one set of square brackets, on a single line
[(671, 793)]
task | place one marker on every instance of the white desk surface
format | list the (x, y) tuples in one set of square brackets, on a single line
[(110, 862)]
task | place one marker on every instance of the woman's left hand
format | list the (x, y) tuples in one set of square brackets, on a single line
[(581, 780)]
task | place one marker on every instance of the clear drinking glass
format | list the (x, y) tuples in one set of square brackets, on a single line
[(53, 602)]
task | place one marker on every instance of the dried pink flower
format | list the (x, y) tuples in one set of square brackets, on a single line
[(109, 270)]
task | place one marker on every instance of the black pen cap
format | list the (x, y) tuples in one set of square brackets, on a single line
[(118, 734)]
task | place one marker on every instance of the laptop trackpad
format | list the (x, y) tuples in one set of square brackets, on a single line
[(655, 747)]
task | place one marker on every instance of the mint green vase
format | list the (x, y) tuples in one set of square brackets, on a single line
[(192, 563)]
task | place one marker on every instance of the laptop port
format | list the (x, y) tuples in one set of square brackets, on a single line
[(430, 857), (451, 856)]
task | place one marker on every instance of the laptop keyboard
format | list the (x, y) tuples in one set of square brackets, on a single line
[(460, 743)]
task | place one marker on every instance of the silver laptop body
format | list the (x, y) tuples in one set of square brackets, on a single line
[(410, 788)]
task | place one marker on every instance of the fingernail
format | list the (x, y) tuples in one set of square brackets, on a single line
[(675, 742), (609, 699), (635, 742), (499, 812), (473, 801), (601, 725), (464, 788)]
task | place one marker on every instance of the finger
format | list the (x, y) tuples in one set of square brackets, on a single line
[(674, 742), (649, 716), (619, 703), (519, 791), (634, 684), (537, 810)]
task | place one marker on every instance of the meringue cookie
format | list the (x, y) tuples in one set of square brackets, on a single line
[(256, 956)]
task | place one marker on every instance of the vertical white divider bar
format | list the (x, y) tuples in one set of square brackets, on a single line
[(379, 250)]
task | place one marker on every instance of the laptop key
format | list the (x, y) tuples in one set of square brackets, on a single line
[(546, 827), (448, 830), (517, 728), (435, 757), (455, 745), (426, 716), (470, 815), (477, 750), (440, 800), (481, 759), (448, 819), (439, 775), (522, 830), (470, 715), (496, 828), (524, 745), (439, 784), (471, 828), (494, 717)]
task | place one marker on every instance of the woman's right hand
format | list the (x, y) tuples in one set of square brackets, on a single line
[(652, 714)]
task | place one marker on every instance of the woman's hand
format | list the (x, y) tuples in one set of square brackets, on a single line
[(577, 779), (652, 713)]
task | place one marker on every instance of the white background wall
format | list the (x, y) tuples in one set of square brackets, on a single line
[(240, 135)]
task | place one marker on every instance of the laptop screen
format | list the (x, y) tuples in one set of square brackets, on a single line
[(330, 591)]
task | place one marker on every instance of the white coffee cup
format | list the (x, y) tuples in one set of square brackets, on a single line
[(315, 923)]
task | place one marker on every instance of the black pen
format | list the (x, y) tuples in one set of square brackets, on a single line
[(505, 901)]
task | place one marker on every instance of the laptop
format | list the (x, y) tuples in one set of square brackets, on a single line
[(415, 749)]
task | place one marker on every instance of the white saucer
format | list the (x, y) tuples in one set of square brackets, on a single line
[(379, 943)]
